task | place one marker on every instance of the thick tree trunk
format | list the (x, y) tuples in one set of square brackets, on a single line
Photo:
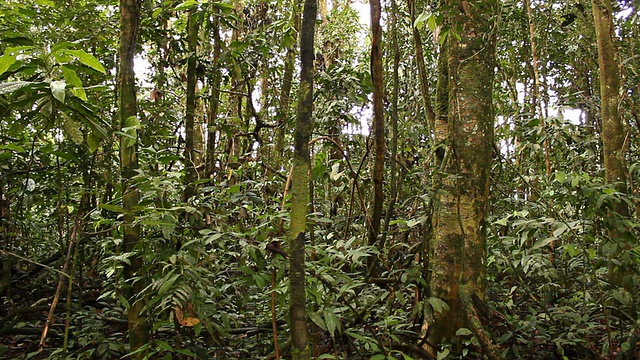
[(613, 134), (458, 246), (129, 24), (300, 187)]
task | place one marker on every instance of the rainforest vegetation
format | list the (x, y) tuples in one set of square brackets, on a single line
[(315, 179)]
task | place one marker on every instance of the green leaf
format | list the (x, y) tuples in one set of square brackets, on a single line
[(543, 242), (57, 90), (437, 304), (131, 122), (87, 59), (223, 6), (317, 319), (378, 357), (18, 40), (186, 5), (421, 19), (432, 23), (575, 181), (71, 77), (167, 283), (94, 141), (443, 354), (9, 87), (6, 61), (357, 336), (570, 250), (98, 129), (560, 230), (463, 332), (332, 321), (560, 176), (110, 207)]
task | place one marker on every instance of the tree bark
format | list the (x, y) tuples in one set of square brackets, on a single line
[(613, 134), (458, 245), (378, 127), (129, 24), (190, 156), (214, 102), (284, 102), (300, 186), (422, 70)]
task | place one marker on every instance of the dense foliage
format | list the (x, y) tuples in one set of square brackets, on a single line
[(215, 198)]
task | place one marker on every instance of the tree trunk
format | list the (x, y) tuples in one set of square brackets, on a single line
[(394, 118), (214, 104), (422, 69), (378, 127), (537, 99), (300, 186), (613, 134), (458, 246), (129, 24), (190, 156)]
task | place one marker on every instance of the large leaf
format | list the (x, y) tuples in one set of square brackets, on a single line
[(87, 59), (332, 322), (94, 141), (10, 56), (186, 5), (57, 90), (6, 61), (9, 87), (18, 40), (71, 77)]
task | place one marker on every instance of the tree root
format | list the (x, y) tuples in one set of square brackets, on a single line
[(468, 299)]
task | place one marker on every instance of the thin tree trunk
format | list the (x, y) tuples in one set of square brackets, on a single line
[(284, 102), (129, 24), (214, 104), (378, 128), (458, 245), (190, 155), (537, 105), (613, 133), (422, 70), (300, 187), (394, 118)]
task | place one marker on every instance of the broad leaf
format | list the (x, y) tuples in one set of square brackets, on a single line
[(57, 90), (6, 61), (71, 77), (87, 59), (9, 87)]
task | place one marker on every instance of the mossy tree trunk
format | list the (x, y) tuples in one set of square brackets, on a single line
[(300, 186), (613, 134), (129, 24), (458, 245)]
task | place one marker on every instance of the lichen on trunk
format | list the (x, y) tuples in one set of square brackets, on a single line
[(457, 249)]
